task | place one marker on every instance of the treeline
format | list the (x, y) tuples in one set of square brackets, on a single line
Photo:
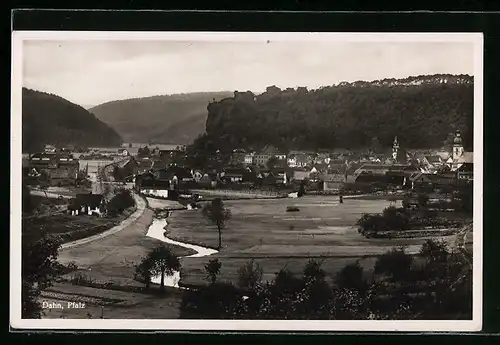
[(435, 285), (421, 111), (50, 119)]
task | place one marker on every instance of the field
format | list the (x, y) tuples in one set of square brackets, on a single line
[(262, 230), (112, 260), (259, 229), (72, 228)]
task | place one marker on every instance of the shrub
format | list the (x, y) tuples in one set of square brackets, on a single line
[(122, 200), (351, 277), (396, 264), (220, 300), (213, 269), (81, 279), (372, 223), (249, 275), (434, 251)]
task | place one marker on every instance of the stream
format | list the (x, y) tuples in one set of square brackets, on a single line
[(156, 230)]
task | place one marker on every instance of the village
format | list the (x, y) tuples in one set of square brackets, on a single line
[(154, 171)]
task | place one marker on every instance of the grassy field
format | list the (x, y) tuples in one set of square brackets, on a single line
[(262, 230), (109, 304), (112, 258), (76, 227)]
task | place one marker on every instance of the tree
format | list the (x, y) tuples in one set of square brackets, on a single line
[(423, 200), (143, 151), (129, 145), (117, 175), (122, 200), (395, 219), (39, 265), (220, 300), (274, 162), (213, 269), (394, 263), (163, 262), (143, 271), (249, 275), (375, 145), (351, 277), (434, 251), (302, 189), (218, 215)]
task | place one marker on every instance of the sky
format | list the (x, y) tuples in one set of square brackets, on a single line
[(90, 72)]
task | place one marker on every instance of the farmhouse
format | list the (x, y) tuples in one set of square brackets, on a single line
[(465, 172), (300, 174), (234, 175), (59, 168), (89, 204), (333, 179), (263, 157)]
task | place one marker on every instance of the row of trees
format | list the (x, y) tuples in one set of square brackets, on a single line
[(346, 116), (437, 287)]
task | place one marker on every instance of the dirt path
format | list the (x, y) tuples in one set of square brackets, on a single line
[(141, 206)]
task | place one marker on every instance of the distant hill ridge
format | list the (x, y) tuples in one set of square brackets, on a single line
[(51, 119), (177, 118), (420, 110)]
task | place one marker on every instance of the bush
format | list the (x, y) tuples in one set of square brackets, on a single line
[(220, 300), (213, 269), (372, 223), (396, 264), (351, 277), (249, 275), (122, 200), (81, 279)]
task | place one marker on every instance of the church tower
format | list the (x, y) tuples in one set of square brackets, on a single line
[(457, 147), (395, 148)]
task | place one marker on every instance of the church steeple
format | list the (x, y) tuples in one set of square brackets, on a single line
[(395, 148), (457, 147)]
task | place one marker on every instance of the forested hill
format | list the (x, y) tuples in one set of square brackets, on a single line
[(167, 119), (420, 110), (50, 119)]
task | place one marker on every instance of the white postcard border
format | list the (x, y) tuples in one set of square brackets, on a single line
[(241, 325)]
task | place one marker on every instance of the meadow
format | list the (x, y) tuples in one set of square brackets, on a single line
[(262, 230)]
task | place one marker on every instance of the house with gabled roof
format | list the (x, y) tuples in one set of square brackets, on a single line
[(60, 168), (87, 204), (299, 160), (374, 169), (465, 172), (300, 174), (262, 157)]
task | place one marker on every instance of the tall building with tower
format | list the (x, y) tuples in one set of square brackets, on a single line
[(395, 148), (458, 156)]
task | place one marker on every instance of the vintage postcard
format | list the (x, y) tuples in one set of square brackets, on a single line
[(246, 181)]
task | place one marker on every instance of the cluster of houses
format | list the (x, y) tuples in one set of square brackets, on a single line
[(57, 167), (165, 168), (331, 170)]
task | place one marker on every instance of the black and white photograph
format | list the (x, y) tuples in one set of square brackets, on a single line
[(246, 181)]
